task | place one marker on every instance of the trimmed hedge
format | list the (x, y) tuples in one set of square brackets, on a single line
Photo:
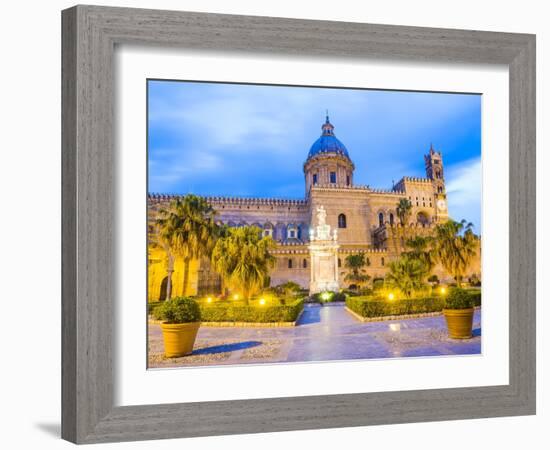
[(151, 306), (378, 307), (252, 313), (334, 297)]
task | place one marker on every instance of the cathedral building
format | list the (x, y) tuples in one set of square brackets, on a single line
[(366, 219)]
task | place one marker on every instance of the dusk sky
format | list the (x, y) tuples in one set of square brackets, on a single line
[(251, 140)]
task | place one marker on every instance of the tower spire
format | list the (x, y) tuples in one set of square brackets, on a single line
[(327, 127)]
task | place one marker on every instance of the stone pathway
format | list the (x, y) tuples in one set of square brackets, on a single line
[(323, 334)]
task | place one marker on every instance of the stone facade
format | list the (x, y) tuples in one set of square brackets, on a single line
[(366, 219)]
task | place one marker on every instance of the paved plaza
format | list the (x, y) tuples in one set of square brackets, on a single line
[(323, 333)]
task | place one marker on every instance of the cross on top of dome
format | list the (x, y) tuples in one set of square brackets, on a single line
[(327, 127)]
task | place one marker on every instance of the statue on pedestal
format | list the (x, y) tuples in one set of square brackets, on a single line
[(323, 251)]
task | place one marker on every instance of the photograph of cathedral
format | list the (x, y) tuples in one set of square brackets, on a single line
[(332, 242)]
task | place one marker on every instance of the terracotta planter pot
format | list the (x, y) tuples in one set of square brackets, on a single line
[(179, 338), (459, 322)]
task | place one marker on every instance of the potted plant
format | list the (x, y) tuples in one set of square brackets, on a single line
[(180, 324), (459, 314)]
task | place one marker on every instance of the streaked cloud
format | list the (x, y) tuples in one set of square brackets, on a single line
[(463, 182), (227, 139)]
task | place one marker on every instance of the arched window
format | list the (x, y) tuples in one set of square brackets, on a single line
[(268, 230), (290, 263), (314, 178), (391, 218), (339, 262), (367, 261), (382, 261), (380, 219), (422, 218), (304, 263), (163, 289), (342, 221), (291, 231), (439, 189)]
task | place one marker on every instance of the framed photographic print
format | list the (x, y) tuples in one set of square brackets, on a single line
[(265, 229)]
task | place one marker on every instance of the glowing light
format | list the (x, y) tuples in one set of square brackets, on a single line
[(391, 296), (209, 299), (395, 326), (262, 301), (325, 295), (236, 297), (443, 290)]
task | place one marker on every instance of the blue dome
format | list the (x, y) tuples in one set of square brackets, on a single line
[(328, 143)]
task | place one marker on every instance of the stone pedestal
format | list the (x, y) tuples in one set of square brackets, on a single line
[(323, 250), (324, 267)]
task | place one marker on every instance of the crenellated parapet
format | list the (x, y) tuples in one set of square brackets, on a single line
[(415, 180), (401, 185), (358, 188), (221, 200)]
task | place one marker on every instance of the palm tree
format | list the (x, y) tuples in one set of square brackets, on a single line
[(355, 263), (421, 250), (189, 229), (407, 275), (403, 209), (243, 259), (455, 247)]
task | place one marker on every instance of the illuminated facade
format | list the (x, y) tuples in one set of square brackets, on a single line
[(365, 218)]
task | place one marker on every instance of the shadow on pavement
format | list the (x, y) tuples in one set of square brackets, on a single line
[(226, 348)]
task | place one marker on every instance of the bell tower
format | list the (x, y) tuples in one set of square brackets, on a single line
[(433, 162)]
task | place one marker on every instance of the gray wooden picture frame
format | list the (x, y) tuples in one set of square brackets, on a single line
[(90, 34)]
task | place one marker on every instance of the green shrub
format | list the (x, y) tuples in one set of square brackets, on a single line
[(459, 299), (228, 312), (351, 293), (377, 284), (475, 295), (433, 279), (151, 306), (318, 297), (328, 297), (178, 310), (365, 291), (379, 307)]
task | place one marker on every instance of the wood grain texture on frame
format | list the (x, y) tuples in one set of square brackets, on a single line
[(90, 34)]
